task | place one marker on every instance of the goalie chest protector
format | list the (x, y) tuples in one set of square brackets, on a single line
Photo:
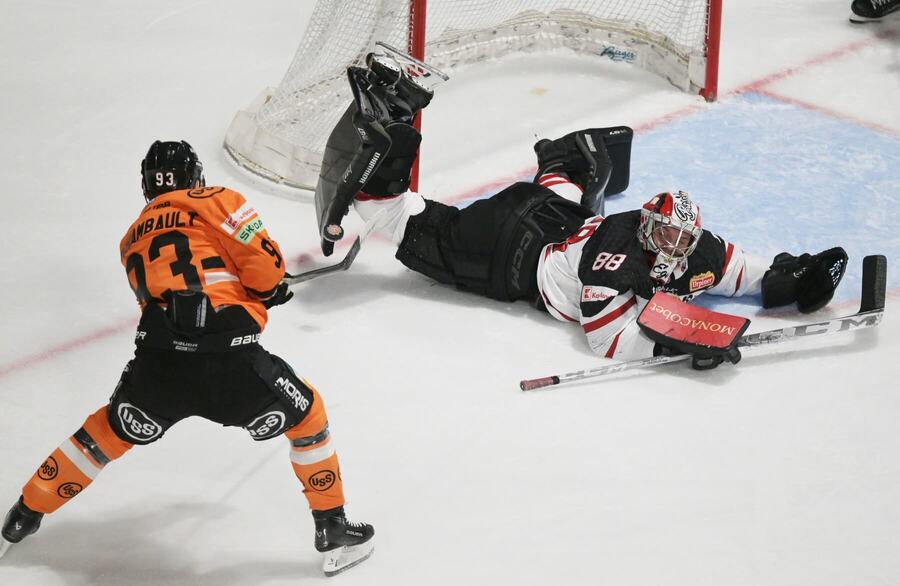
[(613, 258)]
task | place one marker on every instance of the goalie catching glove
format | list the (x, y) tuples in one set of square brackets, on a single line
[(679, 328), (810, 280)]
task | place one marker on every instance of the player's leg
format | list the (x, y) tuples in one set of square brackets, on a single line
[(105, 436), (490, 247), (296, 410)]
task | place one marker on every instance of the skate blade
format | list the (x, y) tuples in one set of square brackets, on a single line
[(4, 546), (343, 558)]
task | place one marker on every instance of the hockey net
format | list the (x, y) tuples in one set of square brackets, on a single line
[(282, 135)]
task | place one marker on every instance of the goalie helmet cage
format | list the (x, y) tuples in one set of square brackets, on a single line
[(282, 135)]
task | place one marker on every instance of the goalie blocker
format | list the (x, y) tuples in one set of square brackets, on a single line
[(373, 145), (680, 328)]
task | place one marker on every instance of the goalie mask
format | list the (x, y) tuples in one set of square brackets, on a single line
[(670, 229), (169, 166)]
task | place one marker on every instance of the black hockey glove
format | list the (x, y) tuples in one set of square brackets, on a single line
[(810, 280), (281, 295), (701, 361)]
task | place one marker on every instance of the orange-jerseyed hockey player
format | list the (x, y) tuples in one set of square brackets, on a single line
[(205, 272)]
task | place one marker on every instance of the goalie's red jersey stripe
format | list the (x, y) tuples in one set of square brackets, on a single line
[(611, 316), (548, 304), (615, 342), (728, 252)]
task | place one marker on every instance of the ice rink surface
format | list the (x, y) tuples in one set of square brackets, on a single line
[(782, 470)]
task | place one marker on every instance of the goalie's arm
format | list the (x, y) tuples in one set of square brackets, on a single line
[(613, 332), (742, 272)]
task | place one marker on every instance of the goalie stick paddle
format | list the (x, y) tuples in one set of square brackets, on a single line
[(871, 310)]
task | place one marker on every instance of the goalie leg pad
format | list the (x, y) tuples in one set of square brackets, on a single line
[(810, 280), (490, 247)]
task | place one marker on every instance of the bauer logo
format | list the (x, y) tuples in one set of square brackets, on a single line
[(267, 425), (322, 481), (702, 281), (248, 339), (138, 425), (591, 293), (617, 54)]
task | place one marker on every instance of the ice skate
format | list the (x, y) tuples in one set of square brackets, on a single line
[(20, 523), (862, 11), (343, 543)]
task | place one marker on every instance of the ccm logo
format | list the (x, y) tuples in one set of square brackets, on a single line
[(248, 339)]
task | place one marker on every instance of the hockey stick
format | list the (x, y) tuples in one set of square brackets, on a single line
[(344, 264), (871, 310)]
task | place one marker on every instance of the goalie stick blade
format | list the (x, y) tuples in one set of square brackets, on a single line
[(874, 282)]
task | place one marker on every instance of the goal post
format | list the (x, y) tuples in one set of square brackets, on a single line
[(282, 135)]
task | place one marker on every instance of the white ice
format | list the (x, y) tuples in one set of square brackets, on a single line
[(782, 470)]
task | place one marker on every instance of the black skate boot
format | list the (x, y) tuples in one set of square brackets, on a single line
[(20, 523), (343, 542), (407, 82), (872, 10)]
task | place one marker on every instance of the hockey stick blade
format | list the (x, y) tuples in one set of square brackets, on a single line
[(871, 311), (322, 271), (874, 282), (345, 263)]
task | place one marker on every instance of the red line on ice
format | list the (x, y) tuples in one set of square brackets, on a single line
[(756, 86)]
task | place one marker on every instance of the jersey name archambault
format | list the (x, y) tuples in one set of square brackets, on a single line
[(206, 239)]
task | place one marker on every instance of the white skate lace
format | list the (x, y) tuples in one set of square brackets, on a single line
[(354, 524)]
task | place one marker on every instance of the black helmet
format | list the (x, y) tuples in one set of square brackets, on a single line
[(169, 166)]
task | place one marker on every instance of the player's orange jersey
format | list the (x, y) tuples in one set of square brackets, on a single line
[(206, 239)]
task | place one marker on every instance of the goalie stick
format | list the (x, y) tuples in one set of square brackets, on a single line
[(344, 264), (871, 310)]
